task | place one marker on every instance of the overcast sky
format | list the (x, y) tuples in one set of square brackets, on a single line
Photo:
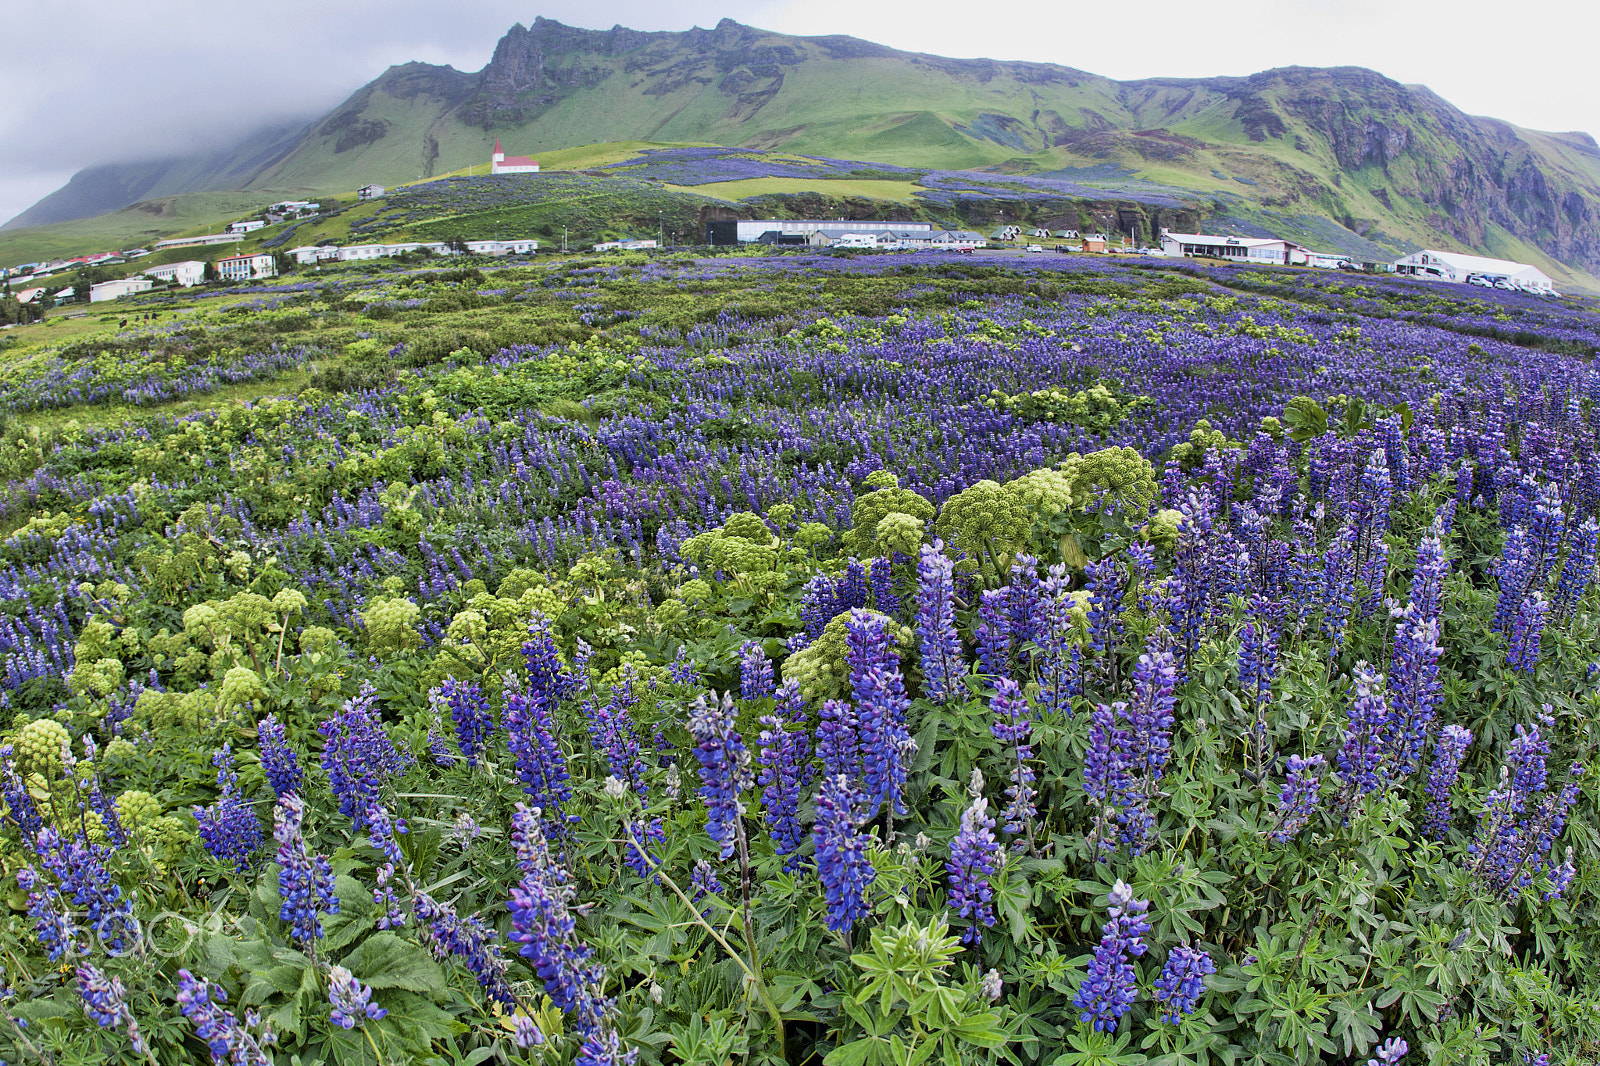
[(96, 81)]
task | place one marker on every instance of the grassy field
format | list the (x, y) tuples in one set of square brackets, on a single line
[(139, 225)]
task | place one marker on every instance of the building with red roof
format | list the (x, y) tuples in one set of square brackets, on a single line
[(499, 163)]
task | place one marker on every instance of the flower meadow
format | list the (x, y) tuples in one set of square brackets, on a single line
[(864, 659)]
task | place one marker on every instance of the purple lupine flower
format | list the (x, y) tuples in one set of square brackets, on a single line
[(881, 704), (541, 764), (993, 633), (542, 921), (1448, 751), (1103, 580), (1258, 660), (1129, 745), (1011, 726), (1362, 765), (1561, 876), (755, 671), (1182, 982), (1336, 587), (525, 1031), (884, 598), (1427, 581), (543, 662), (612, 733), (350, 1000), (841, 853), (1522, 653), (105, 1001), (785, 761), (229, 828), (683, 669), (470, 939), (1416, 690), (384, 897), (938, 641), (278, 760), (1521, 820), (603, 1047), (838, 741), (1297, 800), (305, 880), (1390, 1052), (1514, 571), (359, 756), (724, 767), (974, 854), (1059, 666), (1577, 572), (704, 882), (469, 710), (640, 833), (1110, 987), (202, 1003)]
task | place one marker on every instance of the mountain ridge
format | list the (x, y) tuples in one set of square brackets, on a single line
[(1391, 163)]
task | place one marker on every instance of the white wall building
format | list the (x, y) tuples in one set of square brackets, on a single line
[(1251, 249), (753, 229), (244, 267), (188, 273), (511, 247), (247, 226), (500, 163), (115, 290), (209, 238), (370, 192), (1456, 267), (314, 253), (292, 208)]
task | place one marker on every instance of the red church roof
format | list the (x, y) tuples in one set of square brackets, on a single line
[(497, 149), (518, 161)]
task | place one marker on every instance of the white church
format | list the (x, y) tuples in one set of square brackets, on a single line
[(517, 164)]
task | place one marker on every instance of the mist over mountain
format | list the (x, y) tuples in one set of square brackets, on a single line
[(1313, 150)]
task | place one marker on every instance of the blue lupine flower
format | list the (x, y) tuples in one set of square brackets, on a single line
[(785, 761), (542, 922), (703, 882), (1111, 986), (278, 760), (305, 881), (841, 853), (469, 710), (105, 1001), (838, 742), (1362, 762), (541, 764), (1577, 572), (359, 756), (639, 834), (1059, 665), (229, 828), (202, 1003), (1522, 653), (881, 704), (350, 999), (937, 639), (724, 767), (1182, 982), (1448, 751), (1390, 1052), (470, 939), (974, 854), (755, 671), (612, 733), (1297, 800), (1011, 727)]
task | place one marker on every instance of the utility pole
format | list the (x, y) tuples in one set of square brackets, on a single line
[(661, 229), (563, 238)]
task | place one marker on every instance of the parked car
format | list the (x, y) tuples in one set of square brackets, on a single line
[(1480, 280), (1504, 283), (1345, 264), (1035, 248)]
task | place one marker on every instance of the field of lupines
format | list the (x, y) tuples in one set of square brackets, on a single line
[(866, 659)]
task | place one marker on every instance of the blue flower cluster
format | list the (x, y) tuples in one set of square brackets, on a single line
[(1182, 982), (842, 863), (350, 1000), (724, 768), (785, 771), (229, 828), (1110, 987), (974, 855), (305, 881), (358, 756), (469, 710), (881, 704), (279, 762)]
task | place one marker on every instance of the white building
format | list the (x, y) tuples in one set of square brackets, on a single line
[(1251, 249), (1328, 260), (314, 253), (209, 238), (27, 296), (245, 267), (511, 247), (115, 290), (1459, 268), (370, 192), (800, 228), (188, 273), (499, 163), (248, 226), (624, 246), (293, 208)]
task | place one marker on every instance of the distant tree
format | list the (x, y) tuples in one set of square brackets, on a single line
[(210, 272), (283, 261)]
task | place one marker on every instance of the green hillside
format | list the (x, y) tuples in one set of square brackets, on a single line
[(1292, 151)]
